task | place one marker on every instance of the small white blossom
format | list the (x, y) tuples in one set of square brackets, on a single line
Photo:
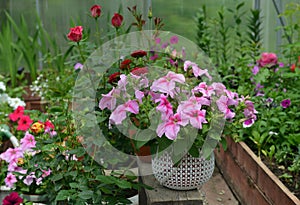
[(2, 86), (15, 102), (4, 98)]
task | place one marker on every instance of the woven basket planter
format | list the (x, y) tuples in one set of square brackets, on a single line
[(191, 173)]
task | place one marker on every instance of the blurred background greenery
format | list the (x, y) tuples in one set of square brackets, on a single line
[(58, 16)]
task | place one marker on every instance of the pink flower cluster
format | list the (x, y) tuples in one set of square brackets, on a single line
[(178, 104), (15, 158)]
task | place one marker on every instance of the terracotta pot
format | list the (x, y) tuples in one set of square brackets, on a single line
[(250, 179)]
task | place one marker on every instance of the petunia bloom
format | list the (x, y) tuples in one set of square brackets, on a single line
[(16, 114), (223, 103), (166, 84), (109, 100), (27, 142), (119, 114), (198, 72), (171, 127), (12, 199), (24, 123), (10, 180), (174, 40), (164, 107), (285, 103)]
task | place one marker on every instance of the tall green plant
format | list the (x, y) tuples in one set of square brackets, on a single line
[(291, 48), (254, 33), (9, 58), (27, 44), (203, 36)]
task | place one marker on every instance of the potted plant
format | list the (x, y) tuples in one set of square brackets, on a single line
[(159, 89)]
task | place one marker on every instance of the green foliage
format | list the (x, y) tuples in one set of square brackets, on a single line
[(230, 46)]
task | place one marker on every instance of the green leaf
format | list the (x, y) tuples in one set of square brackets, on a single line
[(194, 151), (62, 195), (106, 179), (57, 177), (123, 184), (87, 194)]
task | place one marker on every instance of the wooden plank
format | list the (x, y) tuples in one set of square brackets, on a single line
[(161, 195)]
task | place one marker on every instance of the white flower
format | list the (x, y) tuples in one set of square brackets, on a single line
[(15, 102), (2, 86), (4, 98)]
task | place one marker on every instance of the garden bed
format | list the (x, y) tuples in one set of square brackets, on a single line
[(251, 180)]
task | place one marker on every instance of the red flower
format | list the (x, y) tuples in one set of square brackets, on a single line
[(267, 59), (138, 53), (19, 112), (125, 64), (139, 71), (12, 199), (114, 77), (75, 33), (117, 20), (293, 67), (24, 123), (49, 125), (95, 11)]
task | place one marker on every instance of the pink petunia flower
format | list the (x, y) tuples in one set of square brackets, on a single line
[(166, 84), (171, 127), (204, 89), (223, 103), (109, 100), (119, 114), (198, 72), (46, 172), (11, 154), (165, 107), (10, 180), (27, 142), (29, 179)]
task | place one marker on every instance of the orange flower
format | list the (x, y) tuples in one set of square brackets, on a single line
[(37, 127)]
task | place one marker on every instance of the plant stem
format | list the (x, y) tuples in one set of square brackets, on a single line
[(81, 54)]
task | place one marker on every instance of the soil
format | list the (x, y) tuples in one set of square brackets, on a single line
[(279, 171)]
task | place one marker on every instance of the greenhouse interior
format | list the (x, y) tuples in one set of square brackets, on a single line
[(150, 102)]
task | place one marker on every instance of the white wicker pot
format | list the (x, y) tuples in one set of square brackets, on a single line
[(191, 173)]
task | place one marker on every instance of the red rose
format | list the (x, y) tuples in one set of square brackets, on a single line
[(138, 53), (267, 59), (293, 67), (125, 64), (95, 11), (114, 77), (75, 33), (139, 71), (117, 20)]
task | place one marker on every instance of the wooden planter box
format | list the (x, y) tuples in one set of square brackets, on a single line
[(250, 179)]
